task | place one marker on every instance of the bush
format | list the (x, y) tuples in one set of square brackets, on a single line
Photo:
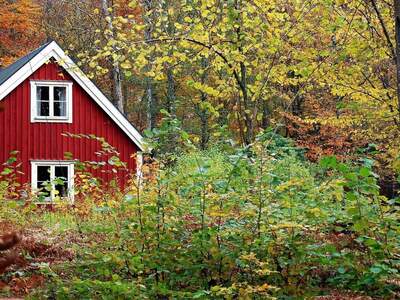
[(258, 223)]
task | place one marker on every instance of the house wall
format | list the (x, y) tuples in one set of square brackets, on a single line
[(44, 141)]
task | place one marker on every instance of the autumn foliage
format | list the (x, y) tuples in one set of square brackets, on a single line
[(20, 29), (259, 222), (294, 107), (320, 140), (7, 242)]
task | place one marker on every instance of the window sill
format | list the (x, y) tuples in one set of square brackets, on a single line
[(51, 120)]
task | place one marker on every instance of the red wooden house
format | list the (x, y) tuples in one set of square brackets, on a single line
[(44, 101)]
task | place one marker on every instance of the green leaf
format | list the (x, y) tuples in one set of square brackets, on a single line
[(361, 225), (365, 172), (328, 162), (6, 171), (375, 269)]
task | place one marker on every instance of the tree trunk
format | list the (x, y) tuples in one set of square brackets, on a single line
[(171, 96), (248, 138), (397, 25), (204, 128), (169, 27), (203, 114), (116, 71), (149, 104), (266, 121), (149, 94), (248, 119), (296, 107)]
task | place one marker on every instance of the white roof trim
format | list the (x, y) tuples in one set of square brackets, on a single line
[(54, 50)]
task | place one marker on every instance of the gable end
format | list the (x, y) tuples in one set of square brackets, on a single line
[(26, 66)]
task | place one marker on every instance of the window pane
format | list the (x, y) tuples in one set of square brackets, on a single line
[(43, 173), (60, 109), (61, 173), (42, 93), (43, 108), (43, 181), (60, 93)]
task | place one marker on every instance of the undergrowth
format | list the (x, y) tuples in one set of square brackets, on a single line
[(254, 223)]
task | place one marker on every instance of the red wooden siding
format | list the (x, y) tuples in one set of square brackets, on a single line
[(44, 141)]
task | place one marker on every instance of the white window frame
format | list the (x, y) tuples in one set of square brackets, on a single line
[(52, 164), (51, 84)]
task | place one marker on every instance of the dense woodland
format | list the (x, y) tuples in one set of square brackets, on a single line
[(274, 129)]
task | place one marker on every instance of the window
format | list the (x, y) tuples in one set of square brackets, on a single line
[(51, 101), (51, 179)]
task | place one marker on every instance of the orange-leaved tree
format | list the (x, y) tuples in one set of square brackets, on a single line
[(19, 29)]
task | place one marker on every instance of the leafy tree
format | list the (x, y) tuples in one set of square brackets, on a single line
[(248, 65), (20, 29)]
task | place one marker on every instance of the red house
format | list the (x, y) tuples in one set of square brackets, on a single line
[(45, 102)]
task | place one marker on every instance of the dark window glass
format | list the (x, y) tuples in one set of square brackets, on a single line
[(43, 93), (60, 109), (43, 108), (60, 101), (43, 173), (61, 174), (60, 93), (43, 180)]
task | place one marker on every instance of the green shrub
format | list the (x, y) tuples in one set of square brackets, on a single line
[(258, 223)]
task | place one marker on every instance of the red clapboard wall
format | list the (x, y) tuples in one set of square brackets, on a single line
[(44, 141)]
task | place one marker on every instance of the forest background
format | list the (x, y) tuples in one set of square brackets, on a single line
[(324, 72), (275, 129)]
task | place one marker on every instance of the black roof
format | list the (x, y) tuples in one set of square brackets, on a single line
[(6, 73)]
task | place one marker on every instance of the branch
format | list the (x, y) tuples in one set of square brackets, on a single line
[(210, 47), (385, 31)]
